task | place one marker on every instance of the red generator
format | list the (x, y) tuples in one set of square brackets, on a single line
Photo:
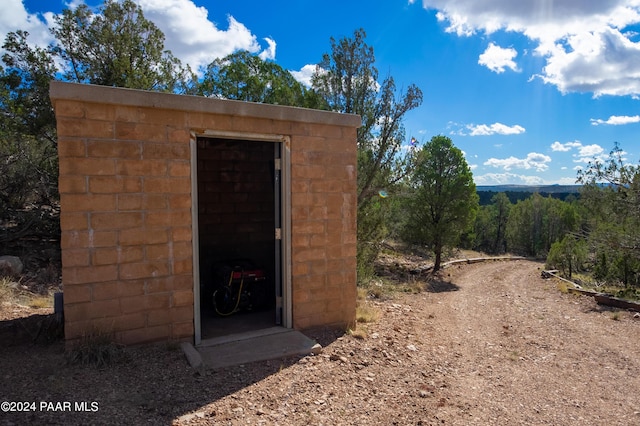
[(239, 286)]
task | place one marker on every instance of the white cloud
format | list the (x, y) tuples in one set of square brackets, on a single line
[(192, 37), (567, 181), (269, 52), (584, 42), (514, 179), (497, 58), (588, 152), (564, 147), (495, 128), (557, 146), (616, 120), (584, 153), (533, 160), (304, 75), (507, 178), (189, 34), (15, 17), (603, 63), (72, 4)]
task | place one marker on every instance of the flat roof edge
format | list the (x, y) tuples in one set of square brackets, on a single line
[(60, 90)]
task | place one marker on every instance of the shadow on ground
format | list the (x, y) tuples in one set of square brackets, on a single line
[(151, 383), (440, 285), (33, 329)]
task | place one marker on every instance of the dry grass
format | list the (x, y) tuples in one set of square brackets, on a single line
[(563, 286), (363, 293), (387, 288), (359, 332), (11, 292), (4, 287), (8, 290), (366, 312), (40, 302)]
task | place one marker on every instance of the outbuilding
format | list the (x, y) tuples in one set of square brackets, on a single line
[(169, 201)]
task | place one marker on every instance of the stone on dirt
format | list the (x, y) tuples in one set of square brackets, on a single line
[(10, 265)]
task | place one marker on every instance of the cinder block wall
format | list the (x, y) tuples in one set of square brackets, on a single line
[(236, 202), (125, 194), (323, 225)]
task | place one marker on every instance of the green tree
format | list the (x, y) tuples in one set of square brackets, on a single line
[(28, 156), (537, 222), (347, 80), (568, 255), (445, 201), (246, 77), (561, 218), (501, 208), (484, 229), (524, 229), (25, 77), (117, 47), (611, 195), (491, 224)]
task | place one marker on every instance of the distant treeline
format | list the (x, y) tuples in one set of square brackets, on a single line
[(515, 196)]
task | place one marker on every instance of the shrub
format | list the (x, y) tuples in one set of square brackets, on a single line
[(96, 348)]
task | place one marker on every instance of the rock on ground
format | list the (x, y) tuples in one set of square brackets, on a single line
[(10, 266)]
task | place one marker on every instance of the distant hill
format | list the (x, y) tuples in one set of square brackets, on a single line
[(516, 193), (549, 189)]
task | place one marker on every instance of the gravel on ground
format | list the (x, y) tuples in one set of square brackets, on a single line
[(491, 343)]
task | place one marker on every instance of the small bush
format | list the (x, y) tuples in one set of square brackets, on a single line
[(360, 333), (563, 287), (414, 286), (40, 302), (7, 290), (628, 293), (96, 348), (387, 289), (366, 313)]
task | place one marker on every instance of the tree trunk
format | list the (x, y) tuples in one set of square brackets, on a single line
[(438, 252)]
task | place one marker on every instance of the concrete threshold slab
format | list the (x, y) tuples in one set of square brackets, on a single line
[(244, 348)]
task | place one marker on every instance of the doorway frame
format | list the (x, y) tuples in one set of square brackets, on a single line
[(285, 212)]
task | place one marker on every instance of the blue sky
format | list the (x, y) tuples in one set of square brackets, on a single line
[(530, 90)]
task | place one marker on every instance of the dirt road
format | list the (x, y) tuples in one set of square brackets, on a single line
[(487, 344), (520, 352)]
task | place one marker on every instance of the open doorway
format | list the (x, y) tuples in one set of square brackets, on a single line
[(239, 214)]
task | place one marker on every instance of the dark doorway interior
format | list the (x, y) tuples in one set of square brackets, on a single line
[(236, 229)]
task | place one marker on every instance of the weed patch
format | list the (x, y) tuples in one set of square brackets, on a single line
[(11, 292), (7, 290), (40, 302), (95, 348), (563, 287), (366, 313), (358, 332)]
